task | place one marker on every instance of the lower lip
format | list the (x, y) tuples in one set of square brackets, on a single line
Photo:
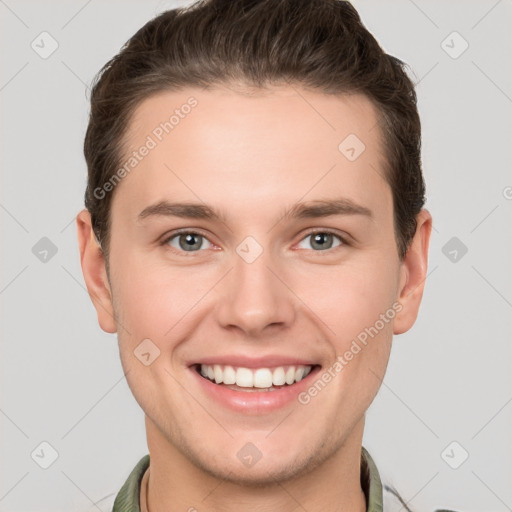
[(254, 402)]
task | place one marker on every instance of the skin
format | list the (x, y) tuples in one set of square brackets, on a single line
[(251, 154)]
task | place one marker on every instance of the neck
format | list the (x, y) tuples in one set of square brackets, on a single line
[(175, 483)]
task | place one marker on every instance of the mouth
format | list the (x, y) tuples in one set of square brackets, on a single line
[(264, 379)]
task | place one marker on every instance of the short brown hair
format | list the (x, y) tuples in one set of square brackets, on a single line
[(317, 44)]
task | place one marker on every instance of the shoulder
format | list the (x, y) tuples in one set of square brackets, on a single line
[(381, 495), (393, 502), (128, 496)]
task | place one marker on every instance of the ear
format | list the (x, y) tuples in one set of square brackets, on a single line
[(94, 271), (413, 272)]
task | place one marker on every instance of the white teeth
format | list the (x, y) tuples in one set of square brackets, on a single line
[(244, 378), (278, 377), (217, 372), (229, 375), (263, 378), (260, 378), (290, 375)]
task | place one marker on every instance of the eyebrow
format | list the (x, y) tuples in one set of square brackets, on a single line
[(308, 210)]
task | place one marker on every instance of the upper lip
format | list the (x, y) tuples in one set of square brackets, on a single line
[(245, 361)]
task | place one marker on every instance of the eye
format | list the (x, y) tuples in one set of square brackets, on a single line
[(192, 241), (323, 240), (187, 241)]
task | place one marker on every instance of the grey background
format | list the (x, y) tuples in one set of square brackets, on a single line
[(448, 379)]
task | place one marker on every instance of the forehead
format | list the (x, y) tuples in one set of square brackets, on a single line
[(283, 142), (303, 114)]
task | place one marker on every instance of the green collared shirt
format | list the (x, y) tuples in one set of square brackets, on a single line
[(128, 498), (379, 496)]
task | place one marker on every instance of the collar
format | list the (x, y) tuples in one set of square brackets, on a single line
[(128, 498)]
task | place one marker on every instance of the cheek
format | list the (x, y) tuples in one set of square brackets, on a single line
[(155, 301), (153, 307), (351, 296), (364, 327), (153, 298)]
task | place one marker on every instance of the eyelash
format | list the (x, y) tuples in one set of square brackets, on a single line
[(174, 234)]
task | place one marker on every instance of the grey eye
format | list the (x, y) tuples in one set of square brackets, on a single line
[(189, 242), (322, 240)]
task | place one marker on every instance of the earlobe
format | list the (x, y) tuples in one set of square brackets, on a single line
[(413, 273), (94, 271)]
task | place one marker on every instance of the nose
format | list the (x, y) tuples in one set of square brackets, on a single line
[(255, 298)]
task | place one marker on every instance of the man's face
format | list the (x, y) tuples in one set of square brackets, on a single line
[(255, 284)]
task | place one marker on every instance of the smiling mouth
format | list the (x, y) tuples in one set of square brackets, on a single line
[(254, 380)]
